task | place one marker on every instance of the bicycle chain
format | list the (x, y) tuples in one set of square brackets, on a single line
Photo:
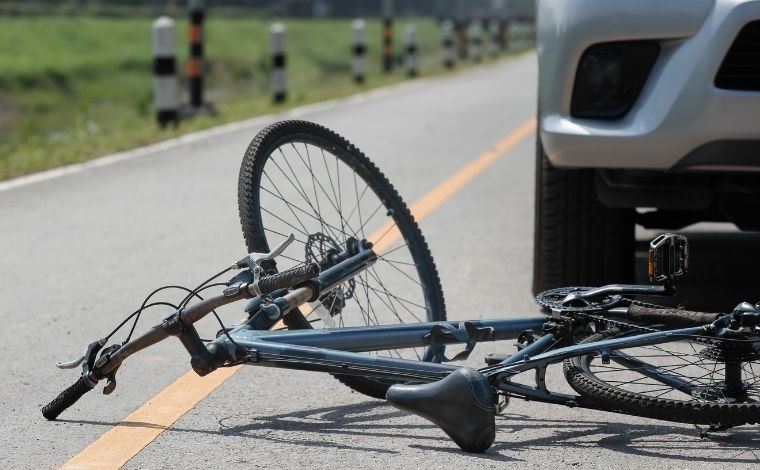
[(644, 329), (590, 312), (545, 300), (615, 323)]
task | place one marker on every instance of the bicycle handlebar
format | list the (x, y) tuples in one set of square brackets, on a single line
[(288, 278), (67, 398), (190, 315)]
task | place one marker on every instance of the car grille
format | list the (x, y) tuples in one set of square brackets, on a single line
[(740, 69)]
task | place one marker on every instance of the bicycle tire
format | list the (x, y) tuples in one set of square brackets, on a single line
[(268, 147), (628, 397)]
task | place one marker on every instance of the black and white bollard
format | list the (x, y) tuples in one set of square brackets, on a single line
[(410, 49), (462, 39), (494, 40), (195, 64), (388, 45), (279, 78), (165, 84), (476, 40), (504, 35), (359, 39), (387, 53), (448, 42)]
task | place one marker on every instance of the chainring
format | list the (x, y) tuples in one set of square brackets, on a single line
[(556, 300)]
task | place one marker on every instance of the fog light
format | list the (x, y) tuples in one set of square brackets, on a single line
[(610, 77)]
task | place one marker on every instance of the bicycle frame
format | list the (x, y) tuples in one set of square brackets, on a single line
[(337, 350)]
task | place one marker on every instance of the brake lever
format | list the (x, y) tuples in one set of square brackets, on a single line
[(71, 364), (255, 259), (89, 354)]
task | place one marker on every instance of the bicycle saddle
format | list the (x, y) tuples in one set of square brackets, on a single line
[(462, 405)]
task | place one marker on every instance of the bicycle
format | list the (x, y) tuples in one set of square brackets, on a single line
[(343, 246)]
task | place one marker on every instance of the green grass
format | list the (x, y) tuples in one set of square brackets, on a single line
[(75, 88)]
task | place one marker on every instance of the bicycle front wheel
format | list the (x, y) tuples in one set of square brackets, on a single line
[(689, 379), (301, 178)]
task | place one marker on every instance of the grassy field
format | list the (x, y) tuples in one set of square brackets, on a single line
[(76, 88)]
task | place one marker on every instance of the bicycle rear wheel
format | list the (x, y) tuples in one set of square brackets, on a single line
[(300, 177), (688, 380)]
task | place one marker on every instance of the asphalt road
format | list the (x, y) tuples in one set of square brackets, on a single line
[(80, 251)]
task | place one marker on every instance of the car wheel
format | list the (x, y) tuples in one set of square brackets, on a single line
[(578, 241)]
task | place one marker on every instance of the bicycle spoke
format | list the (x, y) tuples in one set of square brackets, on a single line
[(406, 275), (313, 179), (396, 297), (357, 207), (386, 253), (396, 262), (379, 206), (332, 203), (302, 194), (306, 213), (374, 275)]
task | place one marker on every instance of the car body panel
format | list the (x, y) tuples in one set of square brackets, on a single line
[(679, 108)]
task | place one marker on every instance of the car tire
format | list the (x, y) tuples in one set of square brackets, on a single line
[(578, 241)]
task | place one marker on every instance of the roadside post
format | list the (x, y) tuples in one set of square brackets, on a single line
[(462, 39), (504, 34), (165, 84), (195, 64), (359, 38), (476, 40), (387, 55), (410, 45), (494, 43), (448, 43), (279, 79), (388, 45)]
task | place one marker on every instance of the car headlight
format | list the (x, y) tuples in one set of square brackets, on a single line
[(610, 77)]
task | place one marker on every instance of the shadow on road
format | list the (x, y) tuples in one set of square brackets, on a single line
[(373, 426), (659, 440), (724, 270)]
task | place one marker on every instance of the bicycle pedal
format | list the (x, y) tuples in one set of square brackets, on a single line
[(493, 359)]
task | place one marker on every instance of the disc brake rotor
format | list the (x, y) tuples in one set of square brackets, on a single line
[(320, 249)]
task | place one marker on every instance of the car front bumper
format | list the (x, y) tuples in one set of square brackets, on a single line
[(681, 120)]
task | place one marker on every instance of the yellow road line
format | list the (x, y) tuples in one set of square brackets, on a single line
[(121, 443)]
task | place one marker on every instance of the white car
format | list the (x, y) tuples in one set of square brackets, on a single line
[(649, 113)]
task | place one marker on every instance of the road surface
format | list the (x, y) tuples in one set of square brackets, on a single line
[(81, 250)]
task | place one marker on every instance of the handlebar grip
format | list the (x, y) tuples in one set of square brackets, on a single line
[(288, 278), (670, 316), (67, 398)]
